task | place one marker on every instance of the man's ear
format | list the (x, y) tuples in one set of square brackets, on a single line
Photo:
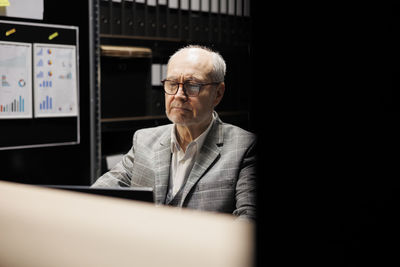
[(219, 93)]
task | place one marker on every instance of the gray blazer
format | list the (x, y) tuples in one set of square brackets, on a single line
[(223, 178)]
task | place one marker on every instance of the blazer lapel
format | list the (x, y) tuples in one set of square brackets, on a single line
[(209, 152), (162, 164)]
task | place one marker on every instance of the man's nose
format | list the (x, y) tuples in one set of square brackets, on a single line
[(181, 92)]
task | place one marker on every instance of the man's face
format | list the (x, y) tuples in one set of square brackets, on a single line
[(192, 65)]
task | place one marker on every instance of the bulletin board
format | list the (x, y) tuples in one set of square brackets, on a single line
[(39, 85)]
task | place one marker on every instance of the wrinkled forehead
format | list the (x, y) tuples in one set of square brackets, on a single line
[(192, 63)]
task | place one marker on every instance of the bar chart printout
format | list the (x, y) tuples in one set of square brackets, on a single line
[(55, 80), (15, 80)]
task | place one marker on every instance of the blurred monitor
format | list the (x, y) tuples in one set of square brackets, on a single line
[(133, 193)]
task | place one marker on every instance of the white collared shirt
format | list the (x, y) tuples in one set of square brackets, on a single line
[(182, 162)]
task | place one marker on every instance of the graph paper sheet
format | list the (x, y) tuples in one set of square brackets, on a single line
[(15, 80), (55, 80)]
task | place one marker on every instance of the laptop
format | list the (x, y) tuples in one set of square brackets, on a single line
[(133, 193)]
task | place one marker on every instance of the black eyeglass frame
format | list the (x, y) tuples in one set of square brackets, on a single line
[(184, 88)]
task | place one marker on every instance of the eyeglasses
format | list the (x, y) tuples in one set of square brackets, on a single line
[(190, 88)]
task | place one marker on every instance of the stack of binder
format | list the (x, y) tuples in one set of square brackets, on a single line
[(215, 21)]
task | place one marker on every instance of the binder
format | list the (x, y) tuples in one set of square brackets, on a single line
[(214, 21), (139, 18), (123, 15), (206, 20), (127, 18), (163, 71), (197, 26), (247, 21), (242, 23), (156, 74), (115, 17), (239, 24), (104, 17), (233, 21), (203, 21), (155, 103), (151, 18), (174, 18), (205, 30), (162, 18), (185, 20), (224, 34)]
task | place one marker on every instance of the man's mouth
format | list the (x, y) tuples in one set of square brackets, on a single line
[(180, 108)]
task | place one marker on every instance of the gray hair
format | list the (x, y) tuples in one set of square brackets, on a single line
[(219, 66)]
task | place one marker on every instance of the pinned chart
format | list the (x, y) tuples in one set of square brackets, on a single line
[(15, 80), (55, 80), (39, 84)]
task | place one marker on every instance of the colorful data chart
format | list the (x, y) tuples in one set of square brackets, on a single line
[(46, 104), (15, 80), (55, 80)]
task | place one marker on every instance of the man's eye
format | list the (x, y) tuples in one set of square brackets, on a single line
[(191, 84)]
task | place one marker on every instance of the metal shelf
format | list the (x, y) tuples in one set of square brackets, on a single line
[(138, 118)]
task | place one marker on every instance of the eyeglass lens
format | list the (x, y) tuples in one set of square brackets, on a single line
[(172, 88)]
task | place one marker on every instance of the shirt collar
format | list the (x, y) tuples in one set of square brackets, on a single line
[(199, 140)]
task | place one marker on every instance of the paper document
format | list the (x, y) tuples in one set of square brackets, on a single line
[(55, 80), (29, 9), (16, 80)]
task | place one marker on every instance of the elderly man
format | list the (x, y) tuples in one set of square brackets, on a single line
[(197, 162)]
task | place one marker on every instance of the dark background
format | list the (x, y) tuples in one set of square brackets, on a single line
[(330, 190)]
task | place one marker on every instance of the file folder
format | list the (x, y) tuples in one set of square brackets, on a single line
[(135, 19), (115, 18), (156, 74), (196, 27), (104, 17), (162, 19), (215, 22), (123, 20), (247, 28), (155, 96), (174, 15), (127, 18), (151, 19), (185, 20), (139, 18), (203, 21), (232, 21)]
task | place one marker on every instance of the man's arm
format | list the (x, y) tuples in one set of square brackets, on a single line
[(246, 185), (120, 175)]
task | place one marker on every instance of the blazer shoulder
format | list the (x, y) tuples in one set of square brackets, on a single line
[(232, 131)]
